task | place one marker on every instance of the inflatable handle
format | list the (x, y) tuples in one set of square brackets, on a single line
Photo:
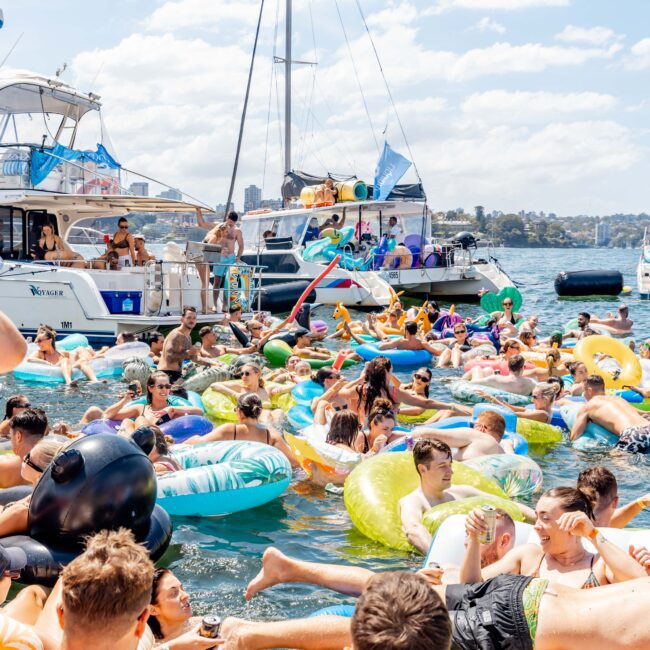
[(326, 271), (340, 360)]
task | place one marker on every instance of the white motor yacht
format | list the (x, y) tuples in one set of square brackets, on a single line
[(643, 269)]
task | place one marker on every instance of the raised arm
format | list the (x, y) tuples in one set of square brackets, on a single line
[(13, 346), (416, 400)]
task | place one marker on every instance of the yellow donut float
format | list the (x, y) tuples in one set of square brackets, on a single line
[(594, 350)]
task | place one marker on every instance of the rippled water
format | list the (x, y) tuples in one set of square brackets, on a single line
[(216, 558)]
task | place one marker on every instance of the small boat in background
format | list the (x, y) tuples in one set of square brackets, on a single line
[(643, 269)]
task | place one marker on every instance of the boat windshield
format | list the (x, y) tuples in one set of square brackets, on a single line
[(292, 226), (283, 225)]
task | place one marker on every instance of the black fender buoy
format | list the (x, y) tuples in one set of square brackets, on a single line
[(240, 335), (589, 283), (303, 317)]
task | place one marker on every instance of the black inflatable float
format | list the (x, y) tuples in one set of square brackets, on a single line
[(589, 283), (99, 482), (283, 297)]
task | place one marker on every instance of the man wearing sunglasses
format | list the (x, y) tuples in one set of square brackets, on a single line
[(25, 430)]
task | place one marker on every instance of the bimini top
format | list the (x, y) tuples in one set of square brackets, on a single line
[(26, 92)]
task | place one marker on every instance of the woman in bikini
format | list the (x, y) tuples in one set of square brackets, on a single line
[(252, 382), (564, 516), (159, 455), (14, 405), (419, 386), (124, 244), (330, 402), (156, 407), (48, 354), (249, 409), (544, 396), (52, 248)]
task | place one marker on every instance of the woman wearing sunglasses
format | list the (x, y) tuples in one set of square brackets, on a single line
[(13, 518), (507, 319), (157, 406), (124, 244), (48, 354), (418, 386), (456, 347), (249, 410), (252, 382), (15, 404)]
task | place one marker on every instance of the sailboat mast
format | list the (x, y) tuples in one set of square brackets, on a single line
[(287, 90)]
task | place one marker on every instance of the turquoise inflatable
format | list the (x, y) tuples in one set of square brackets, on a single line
[(220, 478), (594, 436), (398, 358), (468, 392), (300, 416), (335, 610), (195, 399), (72, 342)]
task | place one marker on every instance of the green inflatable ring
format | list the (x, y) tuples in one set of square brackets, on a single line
[(221, 408), (277, 352), (373, 490), (491, 302)]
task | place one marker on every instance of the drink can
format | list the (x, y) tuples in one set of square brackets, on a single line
[(490, 516), (210, 626), (432, 564)]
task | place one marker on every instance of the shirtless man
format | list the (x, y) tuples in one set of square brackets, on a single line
[(409, 342), (584, 318), (210, 349), (25, 429), (621, 324), (509, 611), (303, 348), (156, 343), (615, 414), (433, 463), (232, 239), (142, 255), (515, 382), (483, 439), (178, 346)]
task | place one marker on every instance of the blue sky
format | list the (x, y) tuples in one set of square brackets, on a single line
[(513, 104)]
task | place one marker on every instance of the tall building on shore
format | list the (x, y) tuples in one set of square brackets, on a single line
[(603, 234), (172, 194), (139, 189), (252, 198)]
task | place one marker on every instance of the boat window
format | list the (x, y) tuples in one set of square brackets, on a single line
[(11, 233), (274, 263), (292, 225), (413, 225), (250, 230)]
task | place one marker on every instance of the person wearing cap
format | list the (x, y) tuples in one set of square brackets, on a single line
[(304, 349), (142, 255), (621, 324)]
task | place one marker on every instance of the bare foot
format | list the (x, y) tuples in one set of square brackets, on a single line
[(273, 572)]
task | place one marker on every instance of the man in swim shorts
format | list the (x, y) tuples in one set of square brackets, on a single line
[(508, 611), (432, 460), (614, 414), (178, 346), (232, 239)]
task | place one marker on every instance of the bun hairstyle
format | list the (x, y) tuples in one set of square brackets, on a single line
[(381, 409), (572, 499), (548, 390), (250, 405)]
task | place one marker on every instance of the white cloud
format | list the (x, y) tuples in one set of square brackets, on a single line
[(509, 107), (486, 24), (215, 15), (506, 5), (639, 58), (588, 35)]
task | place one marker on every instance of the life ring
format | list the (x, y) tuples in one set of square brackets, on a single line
[(374, 488), (630, 372), (398, 358), (329, 459), (220, 478), (277, 352), (518, 476), (220, 407)]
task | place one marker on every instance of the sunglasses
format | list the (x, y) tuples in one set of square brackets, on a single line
[(23, 406), (460, 331), (256, 328), (124, 227), (163, 386), (341, 408), (247, 373), (422, 378), (28, 461), (507, 304), (41, 340)]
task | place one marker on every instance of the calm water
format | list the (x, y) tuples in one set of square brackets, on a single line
[(216, 558)]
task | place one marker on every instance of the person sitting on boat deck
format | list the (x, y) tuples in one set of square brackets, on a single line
[(26, 429), (607, 512), (124, 244), (156, 343), (232, 247), (170, 615), (621, 324), (52, 248), (249, 410), (433, 460), (15, 404), (614, 414), (564, 516), (394, 230), (312, 232), (333, 222), (485, 437), (13, 517), (514, 382), (584, 318), (142, 255), (544, 395), (155, 410), (457, 346), (509, 611), (178, 346), (377, 380), (252, 381), (268, 234), (326, 193), (305, 350), (530, 324)]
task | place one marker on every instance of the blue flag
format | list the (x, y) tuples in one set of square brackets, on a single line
[(390, 168)]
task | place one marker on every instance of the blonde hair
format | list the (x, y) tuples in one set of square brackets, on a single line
[(45, 451)]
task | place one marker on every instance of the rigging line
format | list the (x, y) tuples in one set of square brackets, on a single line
[(13, 47), (356, 74), (268, 109), (243, 115), (331, 141), (390, 95)]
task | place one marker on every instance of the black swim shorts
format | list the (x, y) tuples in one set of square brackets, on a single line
[(489, 615)]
